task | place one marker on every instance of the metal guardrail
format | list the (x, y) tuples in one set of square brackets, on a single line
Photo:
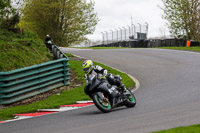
[(57, 52), (29, 81)]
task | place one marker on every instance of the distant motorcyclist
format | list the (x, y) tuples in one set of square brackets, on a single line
[(48, 42), (101, 73)]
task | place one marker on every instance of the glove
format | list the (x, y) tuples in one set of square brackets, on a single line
[(103, 77)]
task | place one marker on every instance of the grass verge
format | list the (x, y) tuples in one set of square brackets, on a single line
[(194, 49), (188, 129), (66, 97)]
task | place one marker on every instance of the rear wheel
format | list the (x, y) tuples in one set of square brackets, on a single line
[(130, 100), (102, 102)]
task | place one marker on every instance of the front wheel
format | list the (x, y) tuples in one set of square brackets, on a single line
[(130, 100), (102, 102)]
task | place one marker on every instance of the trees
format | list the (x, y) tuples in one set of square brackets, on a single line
[(9, 16), (67, 21), (183, 17), (5, 8)]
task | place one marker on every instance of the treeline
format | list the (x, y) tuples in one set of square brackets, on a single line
[(183, 18), (9, 16), (66, 21)]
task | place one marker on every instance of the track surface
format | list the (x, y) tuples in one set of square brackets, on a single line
[(169, 96)]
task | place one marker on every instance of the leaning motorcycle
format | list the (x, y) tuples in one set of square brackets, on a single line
[(106, 96)]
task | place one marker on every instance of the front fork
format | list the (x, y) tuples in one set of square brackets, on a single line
[(102, 97)]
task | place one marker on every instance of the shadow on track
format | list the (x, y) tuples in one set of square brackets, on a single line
[(97, 112)]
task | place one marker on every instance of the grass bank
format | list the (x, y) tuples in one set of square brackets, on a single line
[(66, 97), (194, 49), (17, 50), (188, 129)]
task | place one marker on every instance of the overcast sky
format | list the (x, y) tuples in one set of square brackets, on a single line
[(114, 14)]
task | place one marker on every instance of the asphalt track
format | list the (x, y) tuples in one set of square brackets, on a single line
[(169, 96)]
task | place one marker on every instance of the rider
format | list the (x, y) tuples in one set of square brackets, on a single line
[(48, 42), (101, 73), (48, 38)]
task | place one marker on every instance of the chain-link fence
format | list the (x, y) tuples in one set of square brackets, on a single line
[(133, 32)]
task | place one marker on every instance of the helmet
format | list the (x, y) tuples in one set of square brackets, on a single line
[(47, 36), (87, 66)]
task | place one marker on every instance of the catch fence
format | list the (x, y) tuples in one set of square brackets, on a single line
[(125, 33)]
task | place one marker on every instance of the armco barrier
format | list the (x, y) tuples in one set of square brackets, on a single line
[(57, 53), (29, 81), (25, 82)]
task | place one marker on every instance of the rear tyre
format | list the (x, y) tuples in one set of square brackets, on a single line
[(102, 105), (130, 100)]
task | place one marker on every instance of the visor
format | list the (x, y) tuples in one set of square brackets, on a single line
[(86, 69)]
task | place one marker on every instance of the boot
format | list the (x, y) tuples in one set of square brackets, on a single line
[(123, 88)]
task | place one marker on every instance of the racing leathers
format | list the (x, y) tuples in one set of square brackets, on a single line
[(103, 74)]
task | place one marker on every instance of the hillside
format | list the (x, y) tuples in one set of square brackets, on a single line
[(17, 50)]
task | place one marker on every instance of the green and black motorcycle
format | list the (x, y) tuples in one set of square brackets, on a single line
[(106, 97)]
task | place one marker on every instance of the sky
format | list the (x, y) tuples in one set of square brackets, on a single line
[(114, 14)]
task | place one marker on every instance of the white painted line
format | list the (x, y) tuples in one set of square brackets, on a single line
[(137, 83), (84, 101), (69, 108), (22, 117), (79, 56), (61, 109), (48, 110), (73, 49), (17, 118)]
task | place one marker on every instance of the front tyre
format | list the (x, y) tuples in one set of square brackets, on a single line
[(130, 100), (102, 102)]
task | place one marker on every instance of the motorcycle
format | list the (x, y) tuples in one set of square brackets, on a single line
[(49, 45), (106, 96)]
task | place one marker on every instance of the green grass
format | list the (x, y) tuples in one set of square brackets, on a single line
[(66, 97), (69, 55), (101, 47), (17, 51), (126, 80), (188, 129), (194, 49)]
